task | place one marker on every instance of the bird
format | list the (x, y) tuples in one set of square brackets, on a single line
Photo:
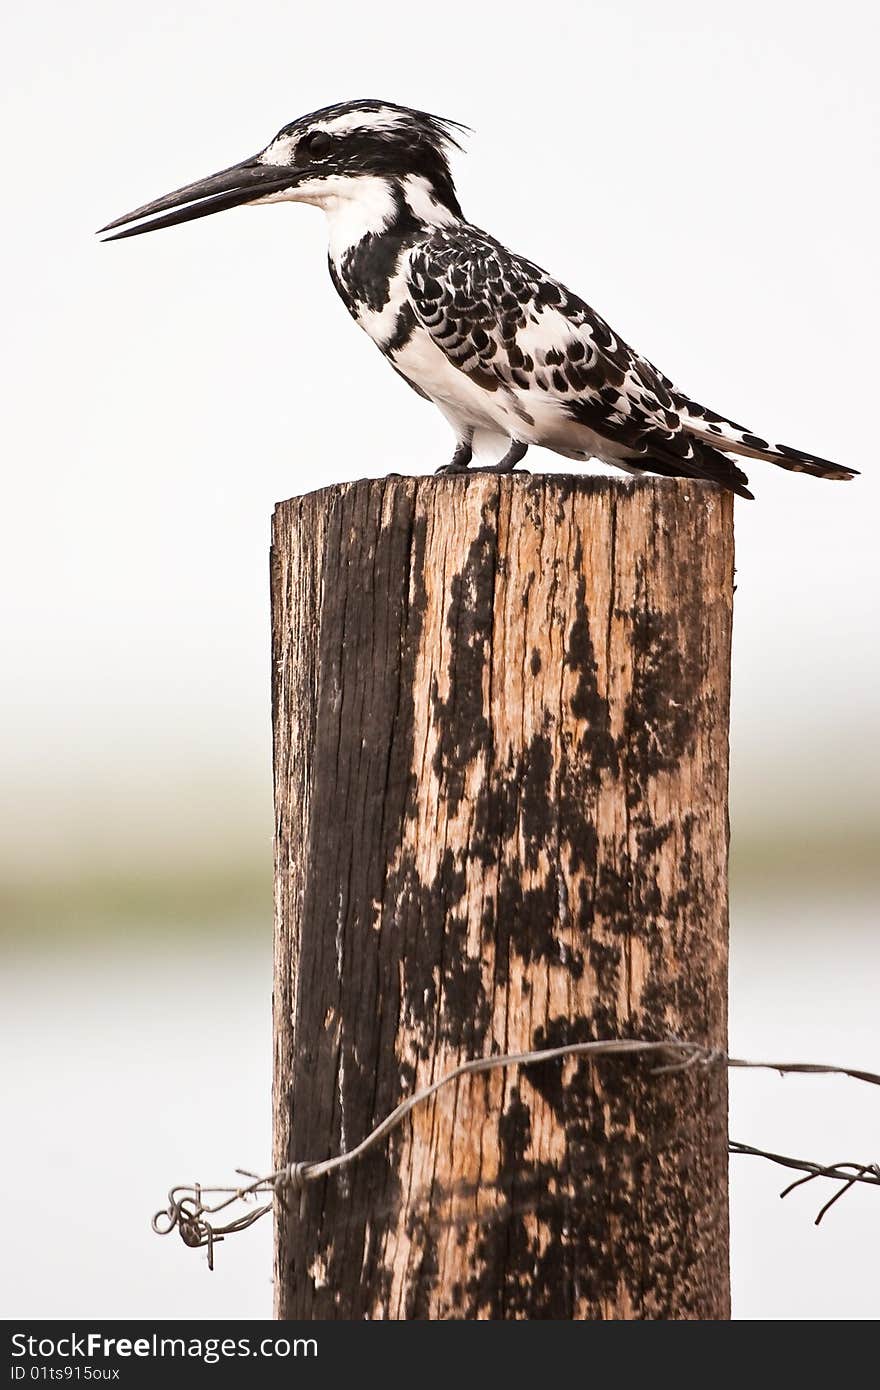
[(509, 355)]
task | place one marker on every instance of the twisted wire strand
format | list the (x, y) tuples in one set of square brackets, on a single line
[(190, 1205)]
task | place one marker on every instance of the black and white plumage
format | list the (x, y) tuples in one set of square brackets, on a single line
[(506, 352)]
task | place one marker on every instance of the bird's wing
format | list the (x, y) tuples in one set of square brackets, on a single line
[(501, 319)]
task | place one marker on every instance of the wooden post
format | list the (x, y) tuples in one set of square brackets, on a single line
[(501, 724)]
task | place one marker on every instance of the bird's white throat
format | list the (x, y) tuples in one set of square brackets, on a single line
[(357, 206)]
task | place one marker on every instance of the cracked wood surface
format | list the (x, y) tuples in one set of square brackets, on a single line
[(501, 723)]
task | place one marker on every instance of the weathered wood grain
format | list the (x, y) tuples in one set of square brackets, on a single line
[(501, 722)]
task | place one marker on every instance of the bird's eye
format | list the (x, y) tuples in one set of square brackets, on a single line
[(315, 146)]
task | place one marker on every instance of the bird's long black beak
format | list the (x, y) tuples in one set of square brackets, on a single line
[(243, 183)]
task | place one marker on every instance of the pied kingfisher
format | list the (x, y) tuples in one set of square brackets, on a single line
[(507, 354)]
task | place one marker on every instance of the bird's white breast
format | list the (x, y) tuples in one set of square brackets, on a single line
[(423, 362)]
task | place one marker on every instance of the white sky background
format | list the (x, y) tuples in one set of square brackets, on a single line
[(705, 175)]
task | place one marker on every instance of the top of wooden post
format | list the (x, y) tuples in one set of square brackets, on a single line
[(668, 490)]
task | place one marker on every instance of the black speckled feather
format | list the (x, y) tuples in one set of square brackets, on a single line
[(479, 301)]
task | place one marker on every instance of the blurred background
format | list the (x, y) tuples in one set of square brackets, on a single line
[(705, 175)]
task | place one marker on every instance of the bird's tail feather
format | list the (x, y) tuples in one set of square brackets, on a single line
[(706, 463), (718, 468), (731, 438), (701, 461)]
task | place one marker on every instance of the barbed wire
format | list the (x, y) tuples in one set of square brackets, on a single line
[(190, 1205), (846, 1173)]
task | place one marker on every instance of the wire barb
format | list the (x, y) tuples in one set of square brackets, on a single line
[(846, 1173), (190, 1206)]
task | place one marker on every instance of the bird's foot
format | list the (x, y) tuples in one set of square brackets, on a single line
[(516, 452), (496, 469), (460, 460)]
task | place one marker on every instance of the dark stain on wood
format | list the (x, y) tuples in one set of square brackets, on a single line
[(461, 717)]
